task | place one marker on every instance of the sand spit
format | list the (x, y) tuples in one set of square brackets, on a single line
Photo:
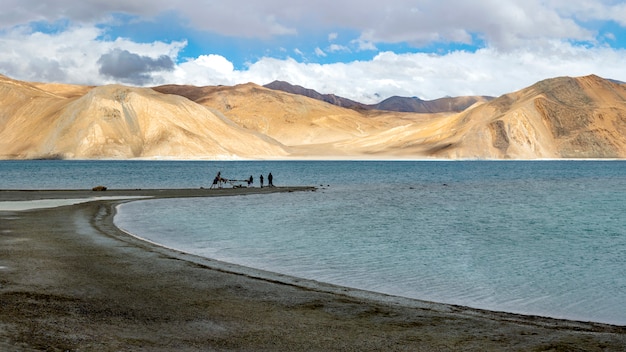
[(70, 280)]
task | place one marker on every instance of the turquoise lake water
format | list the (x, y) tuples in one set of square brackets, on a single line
[(534, 237)]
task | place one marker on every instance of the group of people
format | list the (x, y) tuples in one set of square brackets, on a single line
[(270, 180), (219, 180)]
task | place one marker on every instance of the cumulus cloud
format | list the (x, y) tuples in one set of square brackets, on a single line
[(74, 55), (488, 71), (66, 56), (584, 10), (521, 42), (132, 68), (216, 63), (503, 23), (429, 76)]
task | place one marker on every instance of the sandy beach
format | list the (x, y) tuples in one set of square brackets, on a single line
[(71, 281)]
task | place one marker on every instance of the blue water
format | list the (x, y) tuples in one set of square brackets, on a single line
[(545, 238)]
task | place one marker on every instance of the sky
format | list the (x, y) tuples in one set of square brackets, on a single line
[(358, 49)]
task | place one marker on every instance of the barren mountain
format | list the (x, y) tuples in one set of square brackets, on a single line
[(414, 104), (557, 118), (118, 122), (563, 117), (329, 98), (291, 119), (395, 103)]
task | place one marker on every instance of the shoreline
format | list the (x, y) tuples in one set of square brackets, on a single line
[(70, 269), (313, 284)]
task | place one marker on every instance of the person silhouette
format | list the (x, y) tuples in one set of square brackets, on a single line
[(261, 179), (270, 180), (217, 181)]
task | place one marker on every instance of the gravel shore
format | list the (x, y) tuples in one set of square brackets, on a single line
[(71, 281)]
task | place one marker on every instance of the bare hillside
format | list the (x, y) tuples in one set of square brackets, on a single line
[(564, 117), (291, 119), (119, 122), (395, 103)]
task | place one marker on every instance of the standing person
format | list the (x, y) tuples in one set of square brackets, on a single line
[(217, 181), (261, 178), (270, 179), (250, 181)]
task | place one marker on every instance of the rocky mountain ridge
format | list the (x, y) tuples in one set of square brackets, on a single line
[(563, 117), (395, 103)]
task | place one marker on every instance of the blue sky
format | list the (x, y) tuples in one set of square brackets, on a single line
[(363, 50)]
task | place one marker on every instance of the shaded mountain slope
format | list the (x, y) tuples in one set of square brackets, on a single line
[(395, 103), (121, 122), (565, 117), (291, 119), (329, 98), (448, 104)]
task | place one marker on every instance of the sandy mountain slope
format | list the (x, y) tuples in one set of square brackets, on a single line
[(555, 118), (119, 122), (64, 90), (21, 106), (563, 117), (291, 119)]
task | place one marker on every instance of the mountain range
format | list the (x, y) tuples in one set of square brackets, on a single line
[(563, 117), (395, 103)]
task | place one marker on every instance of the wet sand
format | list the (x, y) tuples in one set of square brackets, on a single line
[(70, 280)]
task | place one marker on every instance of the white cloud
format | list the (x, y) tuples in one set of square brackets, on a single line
[(503, 23), (69, 56), (72, 57), (486, 72), (364, 45), (216, 63), (610, 36), (336, 48), (584, 10), (526, 41)]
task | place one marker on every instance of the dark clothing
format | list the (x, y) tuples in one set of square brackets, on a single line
[(270, 180), (261, 178)]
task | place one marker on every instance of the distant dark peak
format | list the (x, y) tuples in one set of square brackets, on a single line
[(414, 104), (395, 103), (329, 98), (402, 104)]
